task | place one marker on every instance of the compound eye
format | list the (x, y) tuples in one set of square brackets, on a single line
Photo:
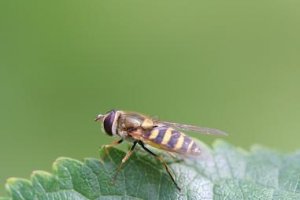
[(108, 122)]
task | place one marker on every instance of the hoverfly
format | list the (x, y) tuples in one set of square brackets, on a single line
[(144, 130)]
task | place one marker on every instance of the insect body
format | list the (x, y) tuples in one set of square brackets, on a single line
[(143, 130), (169, 139)]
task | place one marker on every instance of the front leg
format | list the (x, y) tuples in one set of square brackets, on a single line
[(108, 146), (126, 157)]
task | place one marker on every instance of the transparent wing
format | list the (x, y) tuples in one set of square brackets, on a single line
[(198, 129)]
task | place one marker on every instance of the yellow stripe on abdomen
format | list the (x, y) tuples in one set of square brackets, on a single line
[(153, 134), (179, 143), (167, 136), (190, 146)]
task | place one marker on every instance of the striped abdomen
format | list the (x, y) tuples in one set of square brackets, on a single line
[(169, 139)]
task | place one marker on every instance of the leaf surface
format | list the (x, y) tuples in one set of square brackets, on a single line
[(223, 172)]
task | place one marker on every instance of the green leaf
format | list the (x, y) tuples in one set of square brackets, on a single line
[(226, 172)]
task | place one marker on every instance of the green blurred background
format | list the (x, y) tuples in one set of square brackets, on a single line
[(232, 65)]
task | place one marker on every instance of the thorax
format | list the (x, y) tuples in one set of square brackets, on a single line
[(130, 121)]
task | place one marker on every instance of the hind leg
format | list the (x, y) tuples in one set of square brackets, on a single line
[(163, 162)]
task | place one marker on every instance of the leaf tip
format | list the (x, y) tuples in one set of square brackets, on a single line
[(11, 180), (14, 183), (62, 160), (40, 173)]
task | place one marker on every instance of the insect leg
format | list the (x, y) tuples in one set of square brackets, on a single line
[(115, 143), (163, 162), (129, 153)]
